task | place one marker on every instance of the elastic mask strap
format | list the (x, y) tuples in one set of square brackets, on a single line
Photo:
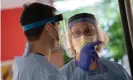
[(50, 33)]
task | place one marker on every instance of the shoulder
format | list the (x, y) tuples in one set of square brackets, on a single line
[(32, 73), (68, 69), (69, 66), (23, 63), (113, 66), (110, 63), (117, 68)]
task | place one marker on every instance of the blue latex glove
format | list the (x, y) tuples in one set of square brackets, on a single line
[(87, 53)]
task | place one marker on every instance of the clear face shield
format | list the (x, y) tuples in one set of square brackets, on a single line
[(59, 45), (63, 37), (77, 42)]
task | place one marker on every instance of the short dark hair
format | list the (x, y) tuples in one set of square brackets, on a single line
[(32, 13)]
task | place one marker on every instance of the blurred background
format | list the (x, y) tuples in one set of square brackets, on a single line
[(106, 11)]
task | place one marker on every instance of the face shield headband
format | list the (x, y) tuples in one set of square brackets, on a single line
[(90, 20), (42, 22)]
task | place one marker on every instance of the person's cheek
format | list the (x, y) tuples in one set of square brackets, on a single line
[(77, 42)]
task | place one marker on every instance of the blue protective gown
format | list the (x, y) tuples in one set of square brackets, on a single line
[(107, 70), (35, 67)]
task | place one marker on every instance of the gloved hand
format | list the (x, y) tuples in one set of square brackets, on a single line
[(87, 53)]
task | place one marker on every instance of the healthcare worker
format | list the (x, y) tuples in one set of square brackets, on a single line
[(86, 41), (40, 25)]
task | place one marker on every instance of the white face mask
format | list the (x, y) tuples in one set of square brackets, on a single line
[(80, 42)]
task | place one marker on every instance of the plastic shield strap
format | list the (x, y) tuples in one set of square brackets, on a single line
[(36, 24)]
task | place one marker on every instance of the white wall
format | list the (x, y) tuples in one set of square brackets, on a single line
[(5, 4)]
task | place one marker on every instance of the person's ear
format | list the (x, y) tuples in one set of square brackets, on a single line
[(49, 28)]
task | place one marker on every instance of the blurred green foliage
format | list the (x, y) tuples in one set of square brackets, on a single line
[(116, 45)]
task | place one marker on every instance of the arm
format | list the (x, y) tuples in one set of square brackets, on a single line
[(126, 75)]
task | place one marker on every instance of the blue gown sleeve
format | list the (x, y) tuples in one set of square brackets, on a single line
[(125, 74)]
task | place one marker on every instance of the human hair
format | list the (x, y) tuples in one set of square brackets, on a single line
[(32, 13)]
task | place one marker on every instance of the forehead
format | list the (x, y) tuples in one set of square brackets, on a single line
[(82, 25)]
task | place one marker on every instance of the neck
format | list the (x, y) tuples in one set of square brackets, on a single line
[(93, 65), (44, 49)]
